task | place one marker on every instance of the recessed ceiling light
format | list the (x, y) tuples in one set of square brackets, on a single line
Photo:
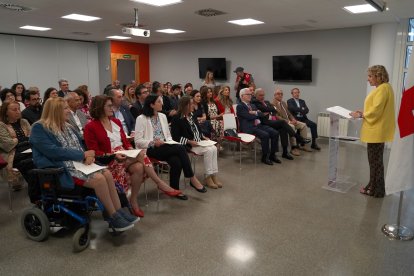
[(360, 8), (158, 3), (246, 22), (81, 17), (170, 31), (118, 37), (35, 28)]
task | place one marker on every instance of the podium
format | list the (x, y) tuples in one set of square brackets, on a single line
[(336, 182)]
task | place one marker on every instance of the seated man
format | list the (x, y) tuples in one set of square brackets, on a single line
[(33, 111), (122, 112), (249, 119), (272, 120), (284, 113), (141, 92), (77, 118), (299, 110)]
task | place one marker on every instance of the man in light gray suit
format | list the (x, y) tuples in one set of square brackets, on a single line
[(77, 118)]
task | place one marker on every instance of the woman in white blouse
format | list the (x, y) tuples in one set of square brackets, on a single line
[(152, 133)]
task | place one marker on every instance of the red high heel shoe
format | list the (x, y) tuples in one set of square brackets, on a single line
[(137, 212), (172, 193)]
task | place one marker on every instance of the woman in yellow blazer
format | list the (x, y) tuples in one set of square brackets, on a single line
[(377, 127)]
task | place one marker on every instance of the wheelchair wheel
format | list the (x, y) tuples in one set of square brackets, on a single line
[(81, 239), (35, 224)]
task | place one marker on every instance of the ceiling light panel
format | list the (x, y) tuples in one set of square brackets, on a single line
[(81, 17), (118, 37), (170, 31), (35, 28), (360, 8), (158, 3), (246, 22)]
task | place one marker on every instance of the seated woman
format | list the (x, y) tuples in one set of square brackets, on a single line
[(55, 144), (14, 140), (104, 135), (152, 133), (213, 114), (129, 96), (9, 95), (185, 131), (51, 92), (199, 114), (224, 102)]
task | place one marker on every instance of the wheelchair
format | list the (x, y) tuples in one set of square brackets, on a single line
[(58, 207)]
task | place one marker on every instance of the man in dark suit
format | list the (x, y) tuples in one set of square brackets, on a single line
[(249, 120), (122, 112), (299, 109), (141, 93), (167, 109), (271, 119), (64, 88)]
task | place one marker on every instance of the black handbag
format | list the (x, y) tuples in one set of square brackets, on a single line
[(231, 132)]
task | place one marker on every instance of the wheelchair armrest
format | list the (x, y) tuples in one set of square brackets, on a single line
[(47, 171)]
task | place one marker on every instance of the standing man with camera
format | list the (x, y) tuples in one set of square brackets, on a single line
[(243, 80)]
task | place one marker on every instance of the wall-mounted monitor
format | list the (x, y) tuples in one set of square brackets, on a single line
[(216, 65), (292, 68)]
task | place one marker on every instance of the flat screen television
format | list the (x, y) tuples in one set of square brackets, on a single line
[(216, 65), (292, 68)]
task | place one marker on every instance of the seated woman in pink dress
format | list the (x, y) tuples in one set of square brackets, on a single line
[(105, 135)]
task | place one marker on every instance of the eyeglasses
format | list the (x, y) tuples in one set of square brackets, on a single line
[(248, 94), (279, 93)]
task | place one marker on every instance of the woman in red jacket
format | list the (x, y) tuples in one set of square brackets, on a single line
[(223, 101), (105, 135)]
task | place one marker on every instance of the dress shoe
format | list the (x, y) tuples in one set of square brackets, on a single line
[(315, 147), (216, 181), (210, 183), (172, 193), (274, 159), (201, 190), (137, 212), (300, 140), (295, 152), (287, 156), (266, 160), (181, 196), (306, 148)]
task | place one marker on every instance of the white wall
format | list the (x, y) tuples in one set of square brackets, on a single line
[(340, 60), (42, 62)]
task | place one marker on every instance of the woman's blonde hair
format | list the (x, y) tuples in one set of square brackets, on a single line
[(207, 78), (53, 117), (128, 96), (225, 101), (380, 73)]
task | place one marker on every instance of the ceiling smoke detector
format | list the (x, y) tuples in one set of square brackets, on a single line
[(14, 7), (209, 12)]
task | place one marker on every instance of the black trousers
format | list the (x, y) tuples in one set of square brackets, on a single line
[(376, 168), (284, 131), (313, 127), (176, 156), (267, 134)]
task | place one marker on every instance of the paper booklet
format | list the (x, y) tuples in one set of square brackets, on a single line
[(206, 143), (338, 110), (171, 142), (87, 169), (130, 153)]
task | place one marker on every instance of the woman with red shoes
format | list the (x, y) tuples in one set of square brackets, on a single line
[(105, 135)]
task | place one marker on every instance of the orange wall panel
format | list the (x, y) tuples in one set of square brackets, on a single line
[(122, 47)]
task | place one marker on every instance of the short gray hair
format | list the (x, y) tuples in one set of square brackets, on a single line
[(258, 90), (62, 80), (111, 93), (244, 91)]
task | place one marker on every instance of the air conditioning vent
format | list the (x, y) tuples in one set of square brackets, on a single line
[(14, 7), (209, 12)]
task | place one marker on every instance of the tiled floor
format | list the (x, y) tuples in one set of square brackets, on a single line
[(267, 220)]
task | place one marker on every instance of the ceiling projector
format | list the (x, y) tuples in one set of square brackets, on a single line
[(136, 32)]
